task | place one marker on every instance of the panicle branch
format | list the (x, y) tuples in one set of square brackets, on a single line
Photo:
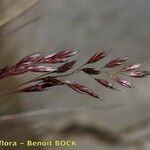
[(43, 63)]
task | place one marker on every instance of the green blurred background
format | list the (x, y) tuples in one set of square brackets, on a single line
[(27, 26)]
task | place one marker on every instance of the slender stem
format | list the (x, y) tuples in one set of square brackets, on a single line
[(8, 92), (16, 89)]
